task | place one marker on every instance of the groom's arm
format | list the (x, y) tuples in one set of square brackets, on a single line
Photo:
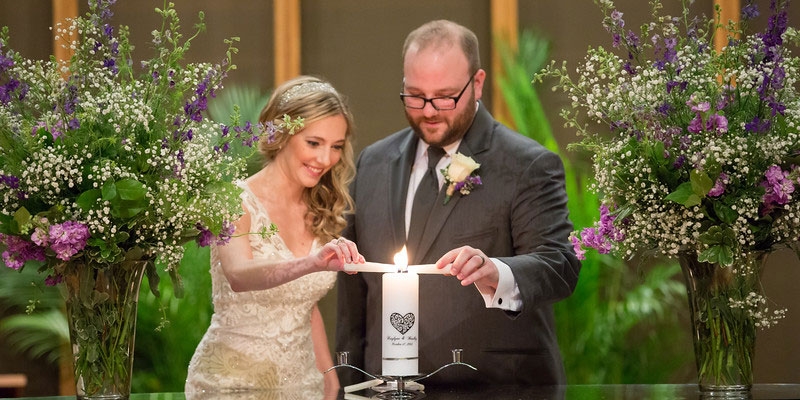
[(546, 268)]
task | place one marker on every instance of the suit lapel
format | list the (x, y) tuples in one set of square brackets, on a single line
[(400, 175), (436, 221), (476, 141)]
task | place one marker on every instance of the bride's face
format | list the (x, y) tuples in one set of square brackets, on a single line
[(314, 150)]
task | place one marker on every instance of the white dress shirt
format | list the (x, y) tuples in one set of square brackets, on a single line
[(507, 296)]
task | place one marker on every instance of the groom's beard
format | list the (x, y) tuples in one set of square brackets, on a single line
[(457, 121)]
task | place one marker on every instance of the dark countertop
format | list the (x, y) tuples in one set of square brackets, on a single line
[(570, 392)]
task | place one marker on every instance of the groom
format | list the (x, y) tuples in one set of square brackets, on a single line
[(506, 240)]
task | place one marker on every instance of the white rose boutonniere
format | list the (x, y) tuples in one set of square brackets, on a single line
[(459, 176)]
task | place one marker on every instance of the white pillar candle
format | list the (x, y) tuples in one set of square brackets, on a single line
[(400, 324)]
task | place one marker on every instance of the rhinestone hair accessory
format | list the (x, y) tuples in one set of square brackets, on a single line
[(305, 88)]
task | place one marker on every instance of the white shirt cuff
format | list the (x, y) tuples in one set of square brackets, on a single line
[(507, 296)]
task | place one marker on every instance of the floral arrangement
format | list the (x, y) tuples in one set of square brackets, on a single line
[(459, 176), (104, 159), (702, 155), (695, 152)]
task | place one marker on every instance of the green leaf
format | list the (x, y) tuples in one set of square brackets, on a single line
[(22, 218), (725, 214), (719, 254), (88, 198), (8, 225), (684, 195), (129, 199), (109, 191), (701, 183), (131, 189), (127, 209), (177, 283)]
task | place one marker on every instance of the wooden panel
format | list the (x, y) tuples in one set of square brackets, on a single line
[(730, 11), (63, 9), (287, 39), (505, 16), (12, 384)]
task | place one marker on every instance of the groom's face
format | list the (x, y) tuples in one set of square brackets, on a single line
[(440, 72)]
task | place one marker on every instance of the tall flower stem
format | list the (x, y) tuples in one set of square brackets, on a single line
[(101, 309), (724, 328)]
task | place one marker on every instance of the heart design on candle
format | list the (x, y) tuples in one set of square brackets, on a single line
[(402, 323)]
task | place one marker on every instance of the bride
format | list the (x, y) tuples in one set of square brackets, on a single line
[(267, 331)]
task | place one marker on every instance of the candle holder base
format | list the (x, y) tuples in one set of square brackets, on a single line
[(394, 387)]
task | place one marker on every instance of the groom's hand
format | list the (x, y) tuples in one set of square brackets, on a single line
[(470, 265)]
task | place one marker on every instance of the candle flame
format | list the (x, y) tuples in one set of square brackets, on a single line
[(401, 260)]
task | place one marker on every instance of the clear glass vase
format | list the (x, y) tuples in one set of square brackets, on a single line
[(723, 329), (101, 304)]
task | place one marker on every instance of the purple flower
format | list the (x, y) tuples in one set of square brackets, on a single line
[(204, 237), (717, 123), (10, 181), (696, 125), (629, 68), (674, 84), (53, 280), (271, 130), (778, 188), (750, 11), (593, 239), (108, 30), (111, 64), (68, 238), (757, 125), (699, 107), (616, 17), (600, 238), (679, 162), (228, 228), (41, 237), (576, 245), (19, 251), (719, 185), (616, 39), (71, 100), (633, 40)]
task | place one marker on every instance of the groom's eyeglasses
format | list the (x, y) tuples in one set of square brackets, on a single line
[(439, 103)]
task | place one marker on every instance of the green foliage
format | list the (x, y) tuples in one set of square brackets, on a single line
[(178, 323), (618, 326), (39, 329), (169, 328), (240, 102)]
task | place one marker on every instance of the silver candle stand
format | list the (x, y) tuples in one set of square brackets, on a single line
[(399, 392)]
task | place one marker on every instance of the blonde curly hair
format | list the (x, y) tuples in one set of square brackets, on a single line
[(313, 99)]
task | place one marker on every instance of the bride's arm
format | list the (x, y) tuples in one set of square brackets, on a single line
[(244, 273)]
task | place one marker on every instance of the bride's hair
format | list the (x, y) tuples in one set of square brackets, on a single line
[(313, 99)]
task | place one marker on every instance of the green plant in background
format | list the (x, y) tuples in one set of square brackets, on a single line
[(618, 326), (245, 102), (43, 332), (169, 328)]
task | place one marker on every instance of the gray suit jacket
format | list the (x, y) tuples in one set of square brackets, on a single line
[(517, 215)]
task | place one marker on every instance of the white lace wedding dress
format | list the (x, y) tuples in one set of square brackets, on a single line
[(262, 339)]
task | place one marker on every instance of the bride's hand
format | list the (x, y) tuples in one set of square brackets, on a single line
[(336, 253)]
